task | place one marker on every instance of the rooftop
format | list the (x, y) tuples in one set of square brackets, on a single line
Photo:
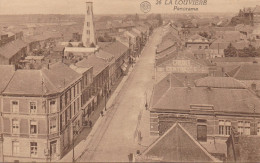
[(219, 82), (6, 73), (176, 145), (116, 48), (41, 82), (10, 49), (98, 64), (222, 99), (246, 72)]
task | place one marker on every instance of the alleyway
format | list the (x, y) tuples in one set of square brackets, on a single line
[(116, 135)]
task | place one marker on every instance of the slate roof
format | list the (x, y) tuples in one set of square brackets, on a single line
[(246, 72), (174, 80), (10, 49), (116, 48), (219, 82), (98, 64), (229, 36), (197, 38), (219, 44), (6, 73), (104, 55), (41, 82), (235, 59), (176, 145), (165, 45), (223, 100)]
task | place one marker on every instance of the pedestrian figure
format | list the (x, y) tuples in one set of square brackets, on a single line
[(90, 124), (86, 123), (101, 113)]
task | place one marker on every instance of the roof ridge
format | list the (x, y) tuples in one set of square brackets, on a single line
[(158, 139), (237, 71), (163, 96), (44, 76), (199, 145), (8, 82)]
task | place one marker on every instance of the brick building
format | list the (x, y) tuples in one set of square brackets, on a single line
[(212, 106), (196, 42), (38, 110)]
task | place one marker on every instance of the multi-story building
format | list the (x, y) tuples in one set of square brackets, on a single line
[(100, 76), (40, 110), (197, 42)]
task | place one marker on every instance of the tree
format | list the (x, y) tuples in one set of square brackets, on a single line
[(92, 45), (70, 45), (230, 51), (81, 45), (205, 34), (159, 18), (249, 51)]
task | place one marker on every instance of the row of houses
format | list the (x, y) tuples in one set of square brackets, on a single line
[(41, 110), (198, 101)]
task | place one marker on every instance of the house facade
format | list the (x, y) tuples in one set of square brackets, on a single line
[(208, 117), (38, 123)]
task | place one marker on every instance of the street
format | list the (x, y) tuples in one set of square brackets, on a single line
[(115, 137)]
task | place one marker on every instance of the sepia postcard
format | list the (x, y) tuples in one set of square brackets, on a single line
[(129, 81)]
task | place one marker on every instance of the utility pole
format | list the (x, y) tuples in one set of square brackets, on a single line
[(73, 157)]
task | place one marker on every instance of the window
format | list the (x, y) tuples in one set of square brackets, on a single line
[(206, 47), (221, 127), (224, 127), (33, 127), (15, 106), (53, 125), (53, 107), (33, 146), (240, 127), (15, 126), (202, 133), (244, 127), (247, 128), (88, 24), (200, 47), (258, 128), (33, 107), (16, 148), (228, 127), (88, 32)]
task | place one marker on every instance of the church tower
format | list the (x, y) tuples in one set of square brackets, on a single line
[(88, 35)]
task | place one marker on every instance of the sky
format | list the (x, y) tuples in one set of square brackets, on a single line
[(11, 7)]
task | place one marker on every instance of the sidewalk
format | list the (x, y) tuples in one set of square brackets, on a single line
[(86, 135)]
